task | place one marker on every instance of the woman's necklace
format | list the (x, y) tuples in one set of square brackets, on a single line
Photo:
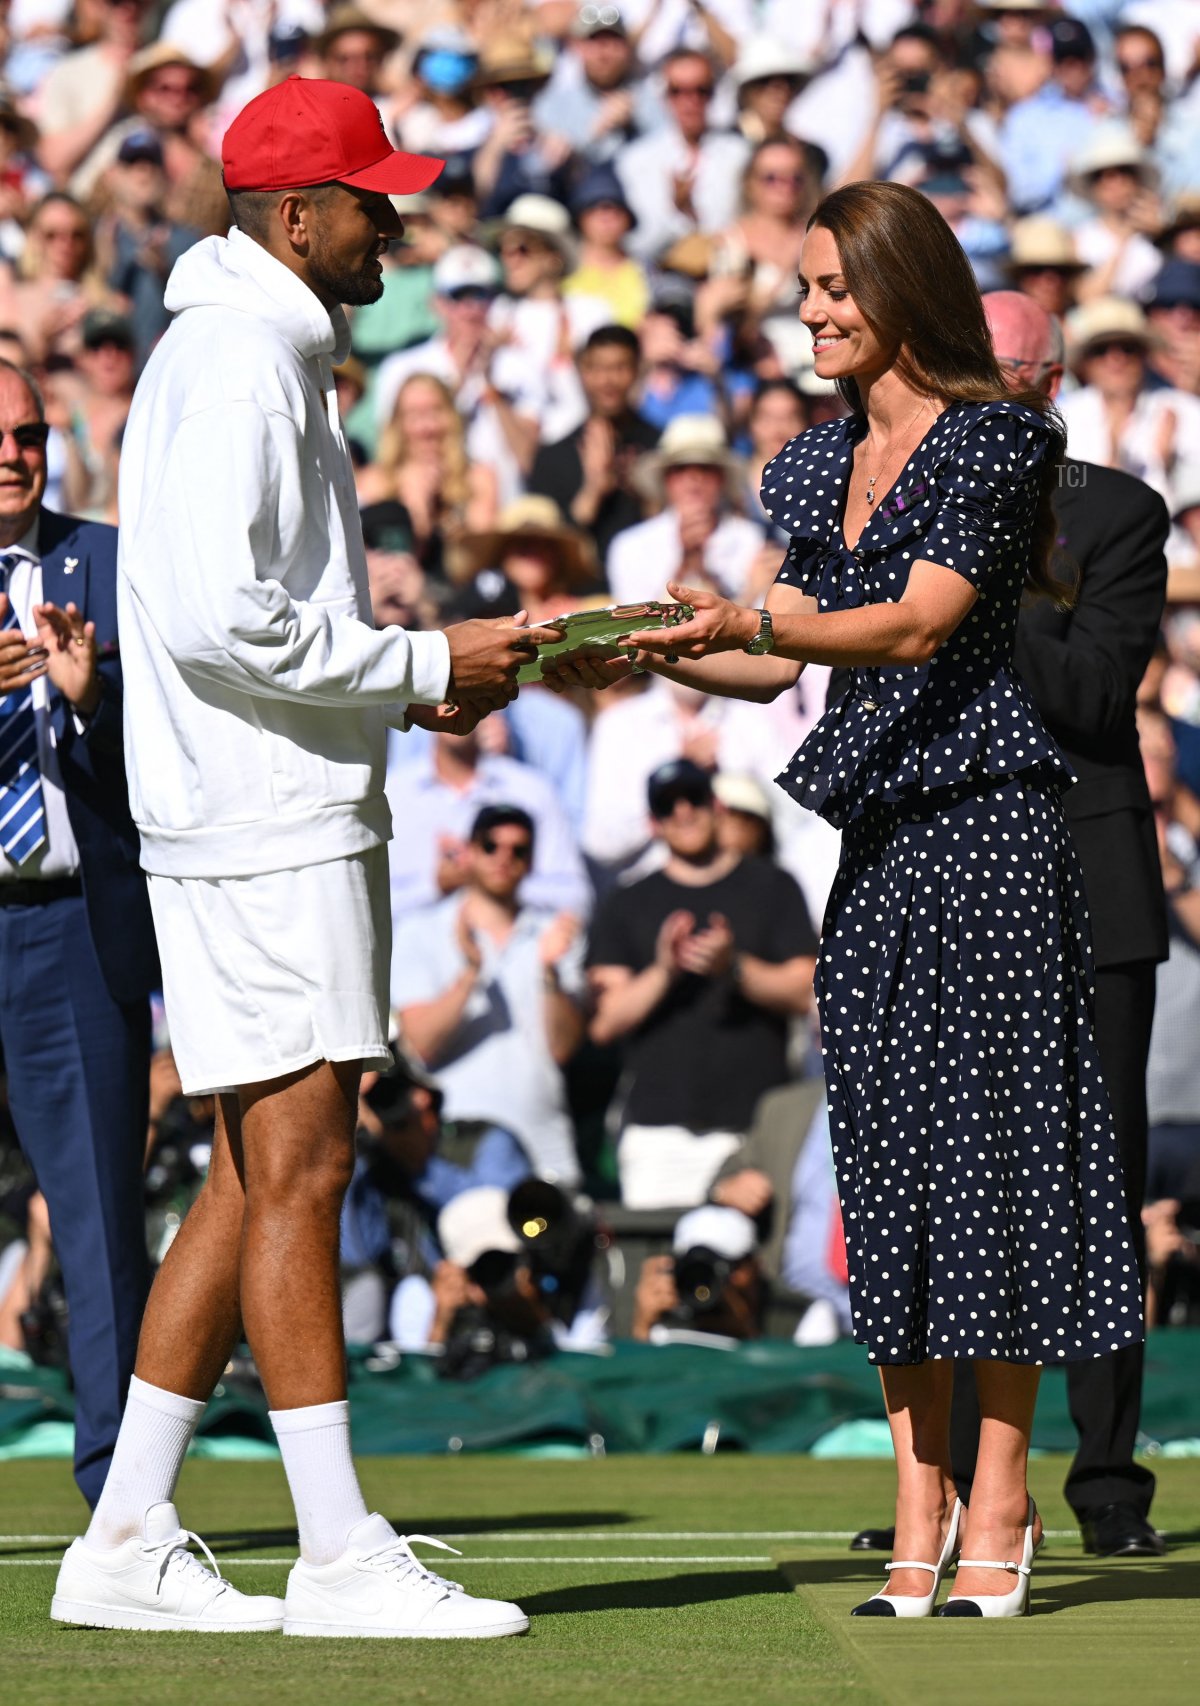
[(873, 479)]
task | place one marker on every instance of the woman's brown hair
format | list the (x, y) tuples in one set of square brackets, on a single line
[(913, 284)]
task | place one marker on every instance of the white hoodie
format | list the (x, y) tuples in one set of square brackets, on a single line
[(257, 690)]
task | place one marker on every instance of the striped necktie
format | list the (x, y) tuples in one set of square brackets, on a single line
[(22, 806)]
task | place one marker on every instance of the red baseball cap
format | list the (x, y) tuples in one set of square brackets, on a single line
[(309, 131)]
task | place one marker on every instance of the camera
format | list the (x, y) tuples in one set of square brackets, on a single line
[(558, 1241), (701, 1277)]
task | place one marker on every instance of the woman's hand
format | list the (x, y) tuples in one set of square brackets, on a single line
[(719, 625)]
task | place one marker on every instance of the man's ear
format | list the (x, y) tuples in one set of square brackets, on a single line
[(294, 213)]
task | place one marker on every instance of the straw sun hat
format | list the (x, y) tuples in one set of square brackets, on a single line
[(536, 520), (689, 441)]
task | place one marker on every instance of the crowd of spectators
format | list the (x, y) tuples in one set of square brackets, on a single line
[(586, 349)]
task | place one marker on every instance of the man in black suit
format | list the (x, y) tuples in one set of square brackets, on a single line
[(77, 953), (1083, 667)]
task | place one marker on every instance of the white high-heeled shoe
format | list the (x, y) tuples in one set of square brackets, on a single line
[(1014, 1604), (911, 1604)]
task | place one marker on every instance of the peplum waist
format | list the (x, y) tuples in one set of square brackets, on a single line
[(900, 734)]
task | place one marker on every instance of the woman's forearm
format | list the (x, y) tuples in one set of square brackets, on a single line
[(732, 675), (875, 634)]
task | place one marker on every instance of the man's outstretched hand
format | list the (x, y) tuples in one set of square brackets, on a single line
[(485, 654)]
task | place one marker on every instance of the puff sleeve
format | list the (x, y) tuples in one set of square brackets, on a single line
[(986, 490), (801, 566)]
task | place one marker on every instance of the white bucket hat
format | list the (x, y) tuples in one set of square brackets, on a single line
[(1111, 145)]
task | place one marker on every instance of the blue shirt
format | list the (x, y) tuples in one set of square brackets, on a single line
[(424, 808), (1038, 139)]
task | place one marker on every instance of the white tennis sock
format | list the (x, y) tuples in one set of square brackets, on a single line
[(156, 1430), (315, 1445)]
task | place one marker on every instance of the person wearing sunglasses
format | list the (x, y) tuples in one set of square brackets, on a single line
[(696, 970), (1117, 416), (488, 993), (686, 176)]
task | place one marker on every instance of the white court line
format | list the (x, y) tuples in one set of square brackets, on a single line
[(625, 1537), (640, 1558)]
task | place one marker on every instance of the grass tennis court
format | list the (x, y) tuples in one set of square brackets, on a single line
[(721, 1581)]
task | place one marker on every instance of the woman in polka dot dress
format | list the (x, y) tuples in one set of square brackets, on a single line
[(978, 1173)]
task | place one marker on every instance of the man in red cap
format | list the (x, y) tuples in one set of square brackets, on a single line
[(258, 694)]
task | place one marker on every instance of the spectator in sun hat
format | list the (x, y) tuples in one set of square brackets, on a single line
[(1179, 238), (353, 47), (596, 99), (533, 317), (744, 821), (696, 534), (517, 158), (1118, 179), (768, 75), (548, 565), (1043, 263), (604, 270), (1117, 418), (1040, 135), (167, 94), (1173, 310)]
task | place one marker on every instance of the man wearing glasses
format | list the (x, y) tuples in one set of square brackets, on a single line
[(76, 939), (685, 177), (489, 995)]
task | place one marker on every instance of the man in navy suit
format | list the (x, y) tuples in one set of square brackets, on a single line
[(77, 954)]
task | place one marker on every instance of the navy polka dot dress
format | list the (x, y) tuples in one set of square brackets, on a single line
[(977, 1167)]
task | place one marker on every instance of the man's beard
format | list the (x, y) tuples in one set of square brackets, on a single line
[(350, 286)]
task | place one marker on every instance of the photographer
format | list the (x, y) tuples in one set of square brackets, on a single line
[(713, 1283), (518, 1280), (925, 113), (410, 1165)]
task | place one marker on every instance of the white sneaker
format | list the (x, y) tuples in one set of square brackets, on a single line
[(379, 1587), (153, 1582)]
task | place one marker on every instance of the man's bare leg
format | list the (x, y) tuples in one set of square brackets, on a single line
[(298, 1148)]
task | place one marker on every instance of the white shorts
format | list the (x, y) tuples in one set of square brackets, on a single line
[(264, 975)]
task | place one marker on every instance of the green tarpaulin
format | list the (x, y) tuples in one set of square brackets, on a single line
[(768, 1397)]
